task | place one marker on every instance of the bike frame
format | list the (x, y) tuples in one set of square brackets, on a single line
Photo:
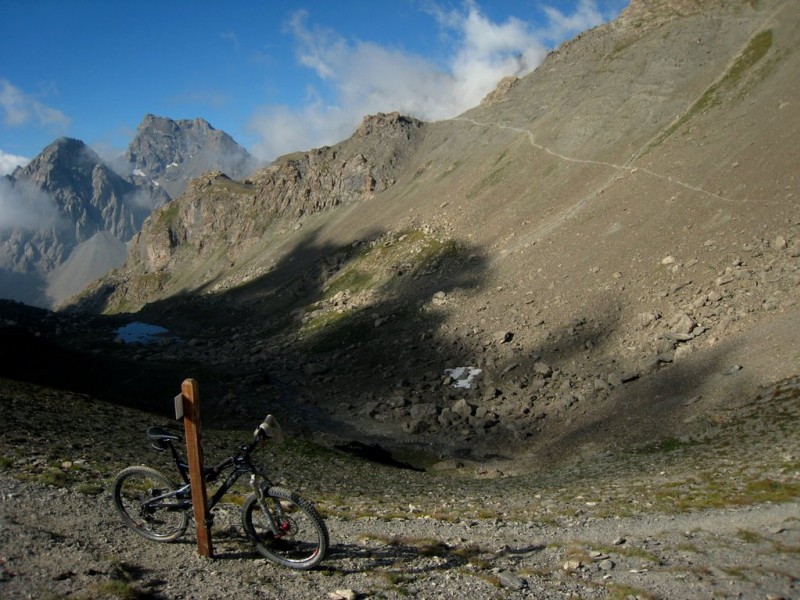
[(240, 464)]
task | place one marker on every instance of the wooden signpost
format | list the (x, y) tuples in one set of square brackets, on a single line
[(187, 405)]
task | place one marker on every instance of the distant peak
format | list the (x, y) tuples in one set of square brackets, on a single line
[(69, 149), (66, 142), (154, 120)]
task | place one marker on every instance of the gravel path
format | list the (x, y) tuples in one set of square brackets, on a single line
[(55, 542)]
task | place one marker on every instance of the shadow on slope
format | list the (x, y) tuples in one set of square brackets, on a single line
[(327, 323), (37, 355), (570, 393), (30, 288)]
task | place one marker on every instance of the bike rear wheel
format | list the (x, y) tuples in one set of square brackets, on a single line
[(302, 541), (136, 493)]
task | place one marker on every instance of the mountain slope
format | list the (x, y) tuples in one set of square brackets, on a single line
[(88, 261), (615, 229)]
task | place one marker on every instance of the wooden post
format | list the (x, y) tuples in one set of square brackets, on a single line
[(194, 450)]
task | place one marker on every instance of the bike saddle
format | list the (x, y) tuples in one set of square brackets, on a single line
[(160, 438)]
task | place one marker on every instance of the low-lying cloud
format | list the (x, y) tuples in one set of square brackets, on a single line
[(26, 207), (364, 78)]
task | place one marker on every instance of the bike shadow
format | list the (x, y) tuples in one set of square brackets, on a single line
[(392, 557), (398, 558)]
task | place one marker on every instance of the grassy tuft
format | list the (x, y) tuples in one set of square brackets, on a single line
[(754, 52)]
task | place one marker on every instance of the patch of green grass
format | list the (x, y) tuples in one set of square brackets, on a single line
[(759, 45), (621, 46), (770, 490), (89, 489), (384, 266), (751, 537), (717, 493), (6, 463), (487, 182), (233, 186), (670, 444), (492, 580), (755, 51), (793, 549), (434, 548), (54, 477), (111, 590), (166, 215), (734, 571), (353, 280), (394, 578), (326, 320)]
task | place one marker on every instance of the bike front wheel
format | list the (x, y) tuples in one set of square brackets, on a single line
[(301, 541), (145, 500)]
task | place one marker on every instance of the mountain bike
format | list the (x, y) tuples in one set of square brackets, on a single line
[(285, 527)]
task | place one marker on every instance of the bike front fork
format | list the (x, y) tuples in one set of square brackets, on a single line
[(260, 491)]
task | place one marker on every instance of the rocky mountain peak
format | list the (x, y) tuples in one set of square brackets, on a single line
[(170, 153), (67, 195), (83, 188), (67, 158)]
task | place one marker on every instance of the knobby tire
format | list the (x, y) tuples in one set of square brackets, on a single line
[(133, 487), (303, 542)]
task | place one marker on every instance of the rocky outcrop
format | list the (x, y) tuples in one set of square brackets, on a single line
[(500, 92)]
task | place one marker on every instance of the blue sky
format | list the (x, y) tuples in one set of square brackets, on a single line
[(277, 76)]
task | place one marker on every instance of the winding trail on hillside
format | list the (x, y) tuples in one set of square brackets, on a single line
[(620, 171), (629, 167)]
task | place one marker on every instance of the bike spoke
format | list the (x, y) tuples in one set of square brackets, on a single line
[(142, 497), (301, 540)]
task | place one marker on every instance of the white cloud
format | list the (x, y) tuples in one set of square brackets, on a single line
[(19, 108), (25, 207), (9, 162), (364, 78)]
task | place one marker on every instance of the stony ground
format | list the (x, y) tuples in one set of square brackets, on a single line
[(716, 518)]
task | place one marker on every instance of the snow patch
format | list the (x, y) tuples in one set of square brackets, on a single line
[(463, 377)]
